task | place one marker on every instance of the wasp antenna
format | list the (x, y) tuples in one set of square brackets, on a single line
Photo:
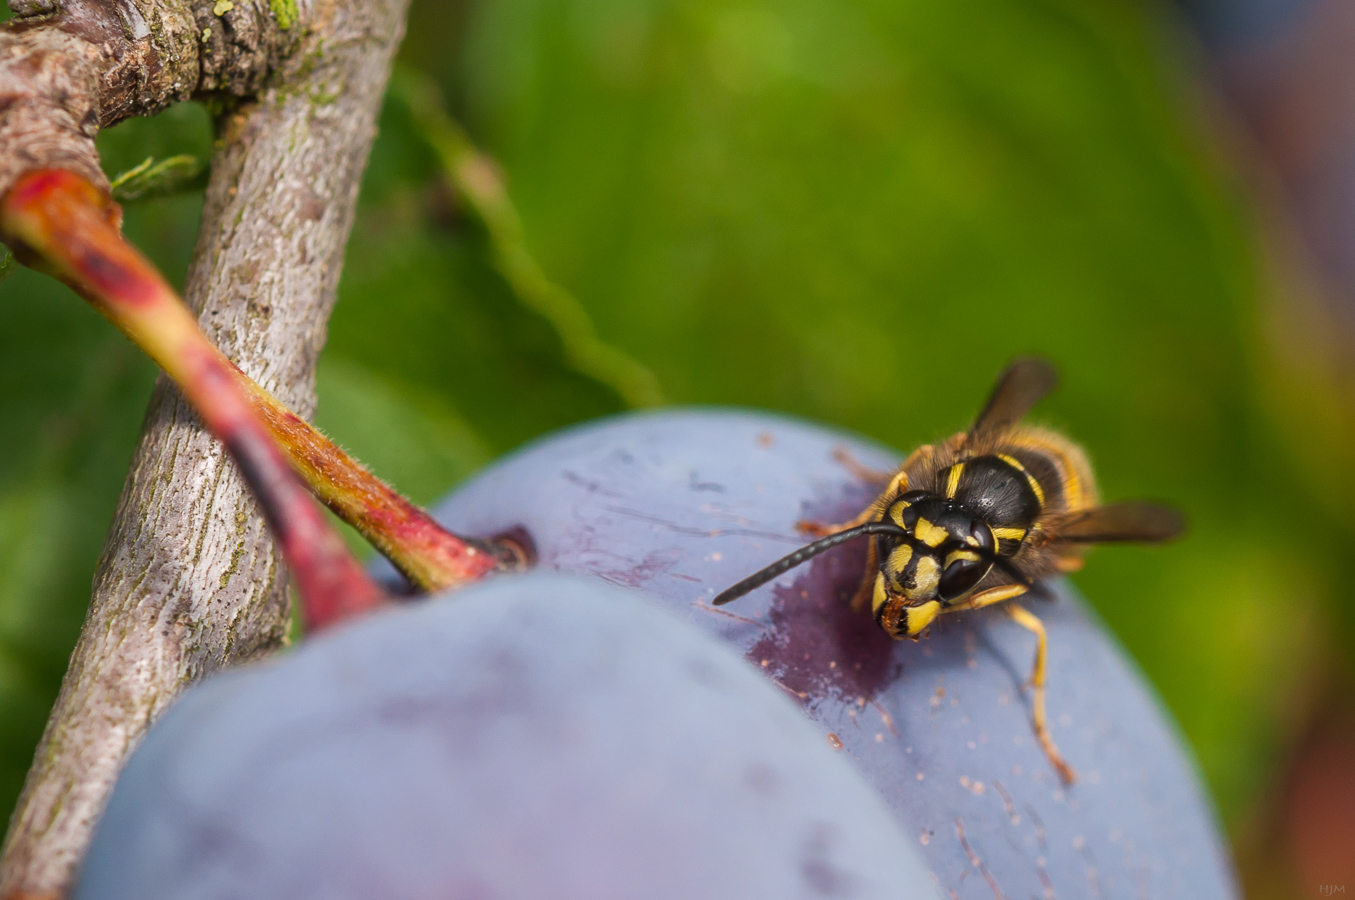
[(786, 563)]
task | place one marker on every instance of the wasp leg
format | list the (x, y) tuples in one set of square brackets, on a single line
[(1028, 621), (859, 469), (993, 595), (820, 530), (898, 483)]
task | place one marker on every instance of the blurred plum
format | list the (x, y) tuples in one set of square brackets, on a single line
[(536, 737)]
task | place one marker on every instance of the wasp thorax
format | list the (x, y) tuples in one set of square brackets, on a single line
[(945, 553)]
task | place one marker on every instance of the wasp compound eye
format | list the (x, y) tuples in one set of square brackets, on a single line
[(960, 578), (982, 533)]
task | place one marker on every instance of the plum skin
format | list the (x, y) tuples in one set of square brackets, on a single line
[(679, 504), (535, 737)]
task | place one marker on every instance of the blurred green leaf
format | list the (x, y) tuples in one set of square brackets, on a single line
[(477, 181), (73, 392), (408, 435), (421, 304), (183, 130), (158, 179)]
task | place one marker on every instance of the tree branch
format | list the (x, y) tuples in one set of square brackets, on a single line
[(71, 67), (189, 580)]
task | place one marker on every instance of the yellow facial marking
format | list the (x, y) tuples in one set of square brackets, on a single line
[(929, 534), (919, 617), (958, 555), (953, 481), (899, 557), (881, 595), (1030, 479), (926, 576), (896, 513), (1009, 534)]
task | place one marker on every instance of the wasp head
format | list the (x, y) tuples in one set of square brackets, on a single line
[(939, 555)]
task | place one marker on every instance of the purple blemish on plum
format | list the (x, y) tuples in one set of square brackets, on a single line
[(817, 645), (652, 566)]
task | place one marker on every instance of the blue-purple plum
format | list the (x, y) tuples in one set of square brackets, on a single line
[(534, 737), (678, 505)]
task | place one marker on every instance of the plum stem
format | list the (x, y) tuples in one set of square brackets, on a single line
[(431, 557), (69, 227)]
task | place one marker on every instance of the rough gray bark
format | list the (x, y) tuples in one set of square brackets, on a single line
[(71, 67), (189, 580)]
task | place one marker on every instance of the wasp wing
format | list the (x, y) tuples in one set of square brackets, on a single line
[(1018, 389), (1134, 521)]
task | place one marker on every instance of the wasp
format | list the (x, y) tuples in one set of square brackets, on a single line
[(981, 519)]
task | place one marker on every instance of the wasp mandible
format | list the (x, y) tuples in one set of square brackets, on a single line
[(981, 519)]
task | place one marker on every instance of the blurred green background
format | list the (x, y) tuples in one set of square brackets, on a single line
[(851, 210)]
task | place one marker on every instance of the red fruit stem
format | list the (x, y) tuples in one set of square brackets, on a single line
[(61, 220), (431, 557)]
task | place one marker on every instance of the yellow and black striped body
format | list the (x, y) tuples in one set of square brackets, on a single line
[(980, 520), (1008, 493)]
